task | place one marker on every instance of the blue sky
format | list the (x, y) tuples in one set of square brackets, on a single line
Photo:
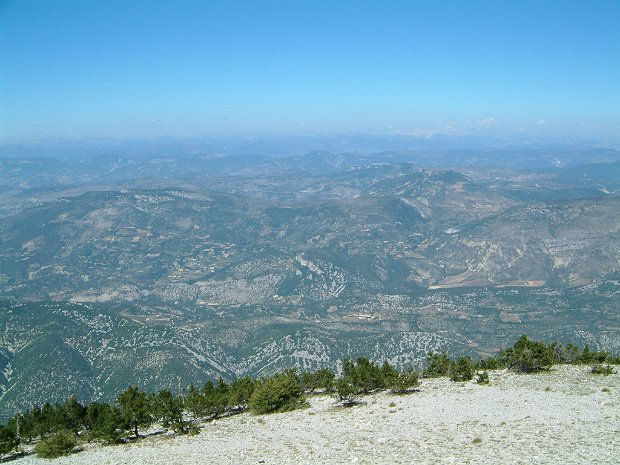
[(150, 68)]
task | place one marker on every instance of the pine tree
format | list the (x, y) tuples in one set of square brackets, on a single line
[(105, 422), (365, 376), (217, 398), (405, 381), (346, 392), (437, 365), (324, 378), (169, 409), (528, 356), (278, 393), (462, 369), (135, 408), (195, 402), (74, 414), (8, 440), (240, 392)]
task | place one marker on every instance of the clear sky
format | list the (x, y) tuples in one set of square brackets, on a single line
[(149, 68)]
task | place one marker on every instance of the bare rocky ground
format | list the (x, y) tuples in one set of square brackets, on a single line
[(566, 416)]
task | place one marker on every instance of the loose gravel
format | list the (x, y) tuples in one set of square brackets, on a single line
[(566, 416)]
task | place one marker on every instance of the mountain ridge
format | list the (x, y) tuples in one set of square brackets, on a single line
[(206, 276)]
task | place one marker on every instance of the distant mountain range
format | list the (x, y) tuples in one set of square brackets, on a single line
[(171, 269)]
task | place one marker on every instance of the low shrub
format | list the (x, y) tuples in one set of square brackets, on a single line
[(279, 393), (8, 440), (61, 443), (482, 377), (437, 365), (405, 382), (347, 394), (489, 363), (528, 356), (323, 379), (462, 369), (600, 369), (587, 356), (366, 376)]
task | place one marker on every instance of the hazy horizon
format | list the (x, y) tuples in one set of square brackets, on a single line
[(143, 70)]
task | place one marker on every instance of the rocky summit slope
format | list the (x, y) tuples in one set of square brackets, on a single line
[(565, 416)]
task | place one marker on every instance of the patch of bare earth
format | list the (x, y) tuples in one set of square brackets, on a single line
[(565, 416)]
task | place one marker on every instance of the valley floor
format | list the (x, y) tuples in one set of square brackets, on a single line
[(566, 416)]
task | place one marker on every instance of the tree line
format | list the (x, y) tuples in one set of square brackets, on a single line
[(58, 429)]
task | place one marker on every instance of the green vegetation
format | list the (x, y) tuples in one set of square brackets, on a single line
[(240, 391), (587, 356), (437, 365), (135, 408), (406, 381), (322, 379), (58, 429), (61, 443), (462, 369), (168, 409), (531, 356), (600, 369), (105, 422), (8, 440), (482, 377), (364, 376), (279, 393), (527, 356)]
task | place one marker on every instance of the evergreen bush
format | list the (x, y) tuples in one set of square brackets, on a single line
[(462, 369), (135, 408), (600, 369), (528, 356), (61, 443), (323, 379), (8, 440), (405, 382), (105, 422), (365, 376), (169, 410), (57, 425), (278, 393), (489, 363), (216, 398), (482, 377), (346, 393), (240, 392), (437, 365)]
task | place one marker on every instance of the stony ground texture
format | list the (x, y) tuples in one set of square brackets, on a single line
[(566, 416)]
